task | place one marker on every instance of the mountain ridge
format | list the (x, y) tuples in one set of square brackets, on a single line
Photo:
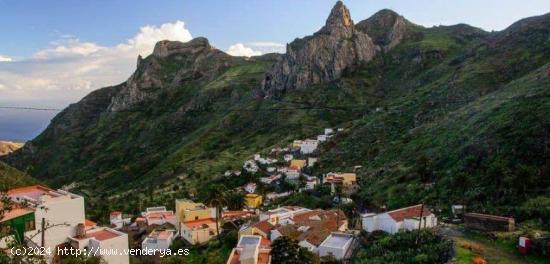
[(175, 118)]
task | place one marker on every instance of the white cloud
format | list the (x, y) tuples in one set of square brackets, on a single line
[(240, 49), (5, 59), (71, 68)]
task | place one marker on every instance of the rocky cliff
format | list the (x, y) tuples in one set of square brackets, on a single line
[(6, 147), (195, 60), (322, 57), (386, 28)]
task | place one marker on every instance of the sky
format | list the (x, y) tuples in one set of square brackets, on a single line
[(52, 53)]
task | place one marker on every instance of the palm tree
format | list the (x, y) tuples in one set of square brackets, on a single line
[(216, 197)]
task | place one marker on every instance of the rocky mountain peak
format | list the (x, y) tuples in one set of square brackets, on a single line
[(385, 27), (322, 57), (166, 48), (338, 20)]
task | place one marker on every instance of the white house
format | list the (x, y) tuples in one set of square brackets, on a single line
[(311, 161), (250, 187), (117, 221), (401, 219), (270, 179), (309, 146), (158, 239), (292, 174), (159, 216), (250, 166), (100, 240), (328, 131), (273, 195), (62, 212), (288, 157), (322, 138), (282, 215), (338, 245), (251, 249)]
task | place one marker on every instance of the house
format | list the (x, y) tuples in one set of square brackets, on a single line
[(187, 210), (252, 200), (262, 228), (116, 220), (328, 131), (309, 146), (199, 231), (311, 228), (282, 215), (339, 245), (158, 239), (485, 222), (271, 169), (251, 166), (273, 195), (18, 221), (340, 129), (297, 164), (401, 219), (345, 179), (292, 174), (58, 208), (250, 187), (159, 216), (288, 157), (251, 249), (322, 138), (232, 215), (296, 144), (311, 161), (100, 239), (311, 182), (270, 179)]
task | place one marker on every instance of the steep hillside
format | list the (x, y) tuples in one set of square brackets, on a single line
[(448, 113), (7, 147), (12, 178)]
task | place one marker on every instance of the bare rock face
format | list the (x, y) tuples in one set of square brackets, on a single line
[(171, 64), (386, 28), (322, 57)]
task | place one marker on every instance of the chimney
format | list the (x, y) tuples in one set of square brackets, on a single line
[(81, 231)]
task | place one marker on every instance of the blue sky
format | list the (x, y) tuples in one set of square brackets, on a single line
[(54, 52)]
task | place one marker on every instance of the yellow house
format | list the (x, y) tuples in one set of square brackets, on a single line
[(253, 200), (187, 210), (346, 179), (297, 164)]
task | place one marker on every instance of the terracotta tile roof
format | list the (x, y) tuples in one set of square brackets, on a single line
[(264, 226), (313, 226), (33, 191), (408, 212), (102, 235), (16, 212), (163, 235), (197, 223), (89, 223)]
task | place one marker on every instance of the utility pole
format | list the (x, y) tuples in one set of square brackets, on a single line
[(43, 231), (420, 222)]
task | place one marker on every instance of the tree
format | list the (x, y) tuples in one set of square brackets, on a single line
[(216, 197), (287, 251)]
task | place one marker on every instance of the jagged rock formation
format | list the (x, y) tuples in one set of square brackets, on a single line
[(322, 57), (386, 28), (195, 59)]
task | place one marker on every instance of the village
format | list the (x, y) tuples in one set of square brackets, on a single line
[(55, 219)]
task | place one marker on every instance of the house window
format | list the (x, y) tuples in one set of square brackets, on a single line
[(196, 218), (29, 225)]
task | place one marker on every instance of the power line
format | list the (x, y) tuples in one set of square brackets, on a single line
[(29, 108)]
